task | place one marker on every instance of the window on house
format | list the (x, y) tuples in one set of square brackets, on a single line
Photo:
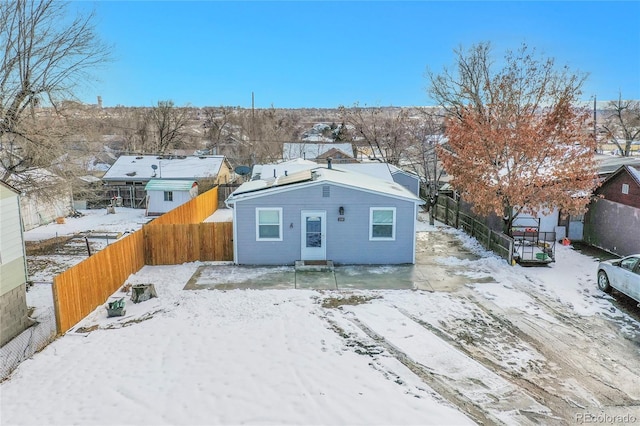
[(269, 224), (383, 223), (168, 195), (625, 188)]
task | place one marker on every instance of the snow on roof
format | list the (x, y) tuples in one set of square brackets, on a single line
[(635, 172), (132, 167), (291, 150), (347, 178), (169, 185), (221, 215), (608, 164), (264, 171), (377, 170)]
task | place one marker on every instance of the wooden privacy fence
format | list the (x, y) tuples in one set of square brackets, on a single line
[(181, 243), (193, 211), (176, 237), (448, 211), (82, 288)]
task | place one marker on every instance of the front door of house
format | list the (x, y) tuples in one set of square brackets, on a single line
[(314, 235)]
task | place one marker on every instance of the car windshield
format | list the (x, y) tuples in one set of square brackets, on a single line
[(629, 263)]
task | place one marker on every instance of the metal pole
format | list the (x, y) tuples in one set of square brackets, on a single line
[(86, 240)]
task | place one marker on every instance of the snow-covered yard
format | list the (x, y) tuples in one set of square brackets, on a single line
[(510, 345)]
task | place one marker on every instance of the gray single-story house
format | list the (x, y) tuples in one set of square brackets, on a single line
[(323, 214), (164, 195)]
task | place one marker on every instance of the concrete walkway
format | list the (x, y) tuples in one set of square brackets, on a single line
[(227, 277), (429, 273)]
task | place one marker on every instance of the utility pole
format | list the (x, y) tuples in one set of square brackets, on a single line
[(253, 129), (595, 127)]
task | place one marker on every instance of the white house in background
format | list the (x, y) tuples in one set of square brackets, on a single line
[(164, 195), (128, 176), (52, 199), (311, 150), (13, 267)]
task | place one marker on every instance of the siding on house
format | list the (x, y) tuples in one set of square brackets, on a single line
[(408, 180), (613, 222), (613, 227), (612, 188), (347, 242), (181, 192), (13, 269)]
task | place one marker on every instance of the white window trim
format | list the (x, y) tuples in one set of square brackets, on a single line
[(393, 229), (625, 188), (260, 209)]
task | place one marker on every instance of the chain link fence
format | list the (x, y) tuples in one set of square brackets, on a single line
[(30, 341)]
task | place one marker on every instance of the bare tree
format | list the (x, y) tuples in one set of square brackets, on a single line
[(169, 124), (425, 132), (218, 125), (44, 57), (622, 124), (383, 131)]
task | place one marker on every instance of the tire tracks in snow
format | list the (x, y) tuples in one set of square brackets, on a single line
[(477, 391), (577, 352)]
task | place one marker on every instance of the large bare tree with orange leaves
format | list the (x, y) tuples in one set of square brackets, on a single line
[(517, 141)]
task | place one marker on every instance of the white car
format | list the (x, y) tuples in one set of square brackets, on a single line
[(621, 274)]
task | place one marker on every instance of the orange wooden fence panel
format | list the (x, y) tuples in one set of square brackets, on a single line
[(181, 243), (176, 237), (82, 288), (193, 211)]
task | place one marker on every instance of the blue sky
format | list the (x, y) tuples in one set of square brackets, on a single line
[(324, 54)]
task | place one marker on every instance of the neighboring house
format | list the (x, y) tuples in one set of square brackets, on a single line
[(312, 151), (164, 195), (613, 220), (323, 214), (44, 197), (335, 155), (128, 176), (13, 267), (609, 164)]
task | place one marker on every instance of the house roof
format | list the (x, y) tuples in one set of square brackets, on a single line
[(377, 170), (634, 172), (169, 185), (320, 176), (291, 150), (608, 164), (335, 153), (265, 171), (132, 167), (9, 187)]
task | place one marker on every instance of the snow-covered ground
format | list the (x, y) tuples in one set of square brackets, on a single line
[(474, 353)]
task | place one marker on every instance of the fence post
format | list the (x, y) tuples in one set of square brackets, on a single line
[(458, 213), (446, 211), (511, 252), (489, 238)]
